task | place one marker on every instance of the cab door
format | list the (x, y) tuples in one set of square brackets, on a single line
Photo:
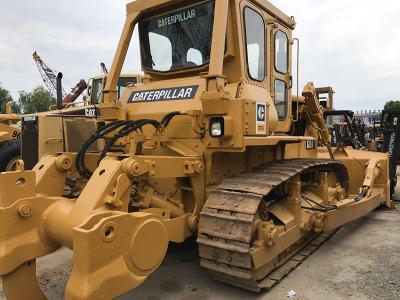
[(281, 75), (255, 43)]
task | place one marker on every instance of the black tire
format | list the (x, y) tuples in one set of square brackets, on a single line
[(9, 151), (393, 184)]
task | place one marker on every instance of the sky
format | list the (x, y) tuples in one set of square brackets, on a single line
[(352, 45)]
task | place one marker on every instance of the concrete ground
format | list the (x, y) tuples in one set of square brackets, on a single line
[(361, 261)]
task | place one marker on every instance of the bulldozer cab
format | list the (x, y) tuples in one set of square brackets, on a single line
[(248, 45), (96, 85), (325, 97)]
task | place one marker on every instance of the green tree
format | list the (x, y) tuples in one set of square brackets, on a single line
[(394, 104), (6, 97), (15, 108), (35, 101)]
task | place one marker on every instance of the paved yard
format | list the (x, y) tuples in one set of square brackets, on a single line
[(361, 261)]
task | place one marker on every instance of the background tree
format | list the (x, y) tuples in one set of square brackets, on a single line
[(5, 97), (394, 104), (38, 100)]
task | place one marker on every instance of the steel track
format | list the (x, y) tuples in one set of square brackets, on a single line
[(229, 218)]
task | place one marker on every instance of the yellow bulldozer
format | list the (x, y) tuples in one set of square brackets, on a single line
[(204, 147), (65, 129), (10, 144)]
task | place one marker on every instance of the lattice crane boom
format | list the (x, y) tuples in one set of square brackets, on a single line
[(48, 75)]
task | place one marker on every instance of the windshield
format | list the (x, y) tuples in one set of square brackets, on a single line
[(179, 40)]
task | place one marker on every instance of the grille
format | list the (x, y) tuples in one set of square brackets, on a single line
[(30, 140), (78, 130)]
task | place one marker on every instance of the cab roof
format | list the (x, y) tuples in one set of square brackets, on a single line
[(121, 76), (148, 5)]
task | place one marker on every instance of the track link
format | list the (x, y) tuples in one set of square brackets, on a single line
[(228, 223)]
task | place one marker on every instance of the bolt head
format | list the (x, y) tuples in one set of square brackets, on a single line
[(25, 210)]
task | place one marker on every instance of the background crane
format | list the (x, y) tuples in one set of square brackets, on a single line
[(48, 75), (50, 80)]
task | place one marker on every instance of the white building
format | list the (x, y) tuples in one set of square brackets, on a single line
[(368, 116)]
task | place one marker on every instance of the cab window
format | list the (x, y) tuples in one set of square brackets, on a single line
[(255, 43), (281, 52), (179, 40), (281, 99), (96, 90), (123, 82), (161, 51)]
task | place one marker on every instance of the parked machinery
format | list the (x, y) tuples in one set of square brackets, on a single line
[(67, 128), (390, 141), (344, 129), (203, 147), (374, 136), (10, 144), (325, 97)]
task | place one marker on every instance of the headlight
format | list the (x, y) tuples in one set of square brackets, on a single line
[(216, 127)]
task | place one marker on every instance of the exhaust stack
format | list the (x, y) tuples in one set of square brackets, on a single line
[(59, 91)]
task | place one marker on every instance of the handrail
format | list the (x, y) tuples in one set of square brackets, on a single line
[(297, 77)]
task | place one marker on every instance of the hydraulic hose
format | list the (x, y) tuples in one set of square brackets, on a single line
[(126, 131), (127, 128), (100, 133), (168, 117)]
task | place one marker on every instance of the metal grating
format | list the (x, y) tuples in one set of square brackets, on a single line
[(30, 140)]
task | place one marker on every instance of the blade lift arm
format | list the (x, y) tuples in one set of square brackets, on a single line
[(371, 173), (315, 113)]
